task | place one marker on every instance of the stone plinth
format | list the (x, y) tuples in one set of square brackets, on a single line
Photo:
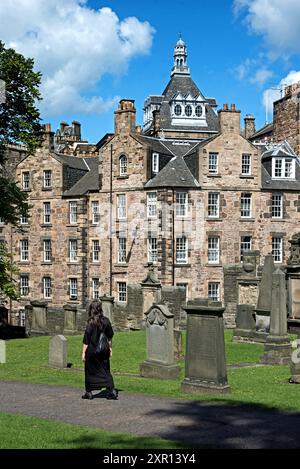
[(160, 362), (70, 323), (205, 365), (245, 323), (58, 352)]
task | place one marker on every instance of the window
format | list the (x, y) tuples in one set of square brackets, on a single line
[(214, 291), (121, 250), (122, 291), (24, 285), (22, 317), (198, 111), (181, 204), (152, 250), (121, 206), (123, 165), (47, 289), (151, 204), (26, 180), (246, 245), (277, 206), (155, 162), (73, 288), (95, 212), (181, 250), (73, 212), (95, 250), (213, 249), (47, 179), (95, 288), (246, 164), (188, 110), (213, 163), (47, 250), (277, 248), (24, 253), (283, 168), (24, 218), (245, 205), (177, 110), (73, 250), (47, 212), (213, 204)]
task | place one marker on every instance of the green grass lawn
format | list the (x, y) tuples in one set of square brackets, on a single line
[(27, 360)]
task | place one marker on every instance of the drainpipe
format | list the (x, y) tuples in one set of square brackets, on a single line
[(173, 238), (110, 221)]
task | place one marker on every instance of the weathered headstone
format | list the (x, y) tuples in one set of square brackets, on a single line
[(277, 345), (70, 312), (160, 361), (264, 302), (2, 351), (245, 323), (151, 288), (108, 306), (295, 363), (58, 350), (205, 364), (39, 317)]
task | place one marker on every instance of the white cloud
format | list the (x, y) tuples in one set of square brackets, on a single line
[(274, 93), (261, 76), (278, 21), (73, 46)]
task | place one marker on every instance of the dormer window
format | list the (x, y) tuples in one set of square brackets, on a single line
[(177, 110), (188, 110), (283, 168), (155, 162), (123, 165), (198, 111)]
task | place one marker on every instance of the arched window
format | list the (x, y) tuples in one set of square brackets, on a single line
[(177, 110), (123, 165), (198, 111), (188, 110)]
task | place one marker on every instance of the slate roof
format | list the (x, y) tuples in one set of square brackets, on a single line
[(267, 129), (281, 150), (89, 182), (171, 147), (174, 174)]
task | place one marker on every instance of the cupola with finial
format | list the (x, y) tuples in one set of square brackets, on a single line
[(180, 56)]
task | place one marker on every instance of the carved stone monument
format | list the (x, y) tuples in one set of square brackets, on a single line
[(295, 363), (293, 280), (70, 326), (245, 323), (160, 362), (58, 350), (151, 288), (277, 345), (264, 302), (205, 364)]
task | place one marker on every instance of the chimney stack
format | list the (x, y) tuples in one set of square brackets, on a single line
[(229, 119), (48, 137), (249, 126), (77, 129), (125, 117)]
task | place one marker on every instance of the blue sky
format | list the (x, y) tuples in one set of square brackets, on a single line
[(92, 53)]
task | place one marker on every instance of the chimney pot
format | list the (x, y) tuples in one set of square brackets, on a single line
[(232, 107), (225, 107)]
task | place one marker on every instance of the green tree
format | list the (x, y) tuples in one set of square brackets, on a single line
[(19, 123)]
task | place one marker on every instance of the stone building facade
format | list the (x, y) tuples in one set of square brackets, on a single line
[(187, 192)]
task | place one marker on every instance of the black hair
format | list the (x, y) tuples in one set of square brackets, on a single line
[(96, 314)]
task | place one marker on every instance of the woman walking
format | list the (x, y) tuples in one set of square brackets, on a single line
[(97, 366)]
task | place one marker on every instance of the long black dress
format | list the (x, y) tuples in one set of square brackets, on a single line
[(97, 369)]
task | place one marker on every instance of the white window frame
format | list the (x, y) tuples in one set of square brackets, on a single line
[(283, 168), (245, 245), (277, 248), (123, 165), (246, 205), (95, 212), (181, 204), (213, 206), (24, 218), (152, 249), (73, 285), (47, 213), (95, 250), (246, 164), (213, 253), (26, 180), (151, 204), (47, 250), (47, 183), (95, 288), (181, 250), (24, 250), (155, 163), (277, 206), (73, 212), (213, 166), (121, 254), (73, 250), (121, 207), (24, 285), (122, 292), (213, 291), (47, 287)]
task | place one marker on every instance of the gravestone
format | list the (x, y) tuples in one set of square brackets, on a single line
[(2, 351), (58, 349), (205, 365), (245, 323), (277, 345), (39, 317), (108, 306), (295, 363), (160, 362), (70, 312), (293, 278), (264, 302), (151, 288)]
